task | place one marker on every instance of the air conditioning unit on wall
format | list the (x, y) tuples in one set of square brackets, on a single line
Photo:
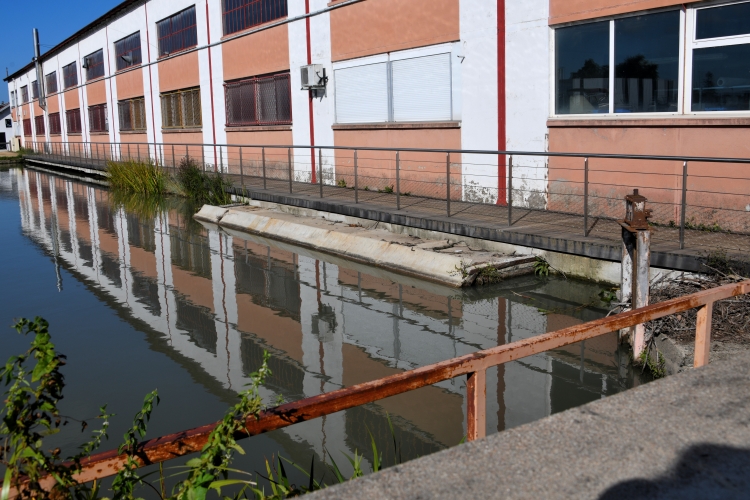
[(313, 77)]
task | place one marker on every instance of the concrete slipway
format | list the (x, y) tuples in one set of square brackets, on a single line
[(682, 437), (452, 263)]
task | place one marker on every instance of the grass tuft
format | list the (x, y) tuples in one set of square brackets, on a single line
[(137, 177)]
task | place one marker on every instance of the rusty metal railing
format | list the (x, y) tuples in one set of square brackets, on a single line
[(473, 365)]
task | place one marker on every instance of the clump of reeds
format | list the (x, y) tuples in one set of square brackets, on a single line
[(202, 187), (140, 177)]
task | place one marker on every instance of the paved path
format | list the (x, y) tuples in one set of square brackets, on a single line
[(683, 437), (559, 232)]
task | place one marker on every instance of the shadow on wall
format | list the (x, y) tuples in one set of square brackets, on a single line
[(703, 471)]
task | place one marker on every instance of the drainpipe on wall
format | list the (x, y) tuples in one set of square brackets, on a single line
[(39, 72), (310, 95), (501, 138)]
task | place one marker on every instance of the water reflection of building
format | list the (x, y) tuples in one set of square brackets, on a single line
[(218, 301)]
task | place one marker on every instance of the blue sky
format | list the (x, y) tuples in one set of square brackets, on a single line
[(54, 23)]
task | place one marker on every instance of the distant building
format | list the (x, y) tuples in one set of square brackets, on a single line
[(6, 126)]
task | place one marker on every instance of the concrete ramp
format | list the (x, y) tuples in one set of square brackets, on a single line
[(683, 437)]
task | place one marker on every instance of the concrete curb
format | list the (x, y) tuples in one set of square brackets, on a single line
[(446, 269)]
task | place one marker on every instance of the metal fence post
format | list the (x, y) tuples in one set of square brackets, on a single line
[(585, 197), (320, 170), (263, 161), (510, 190), (203, 158), (398, 181), (242, 171), (174, 161), (289, 152), (476, 405), (448, 184), (221, 161), (356, 179), (187, 154), (683, 208)]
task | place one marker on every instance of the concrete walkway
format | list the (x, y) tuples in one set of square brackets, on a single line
[(552, 231), (683, 437)]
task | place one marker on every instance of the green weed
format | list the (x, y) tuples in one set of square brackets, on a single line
[(139, 177)]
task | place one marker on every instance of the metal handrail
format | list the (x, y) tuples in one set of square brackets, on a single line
[(490, 152), (473, 365)]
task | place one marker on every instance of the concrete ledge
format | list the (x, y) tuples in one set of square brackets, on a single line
[(683, 437), (377, 248)]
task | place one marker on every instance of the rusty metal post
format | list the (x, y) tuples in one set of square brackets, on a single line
[(263, 159), (585, 197), (291, 178), (703, 335), (510, 190), (320, 170), (448, 184), (356, 179), (683, 206), (636, 237), (476, 405), (398, 182)]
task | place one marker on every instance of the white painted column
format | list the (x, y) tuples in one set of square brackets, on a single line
[(74, 245)]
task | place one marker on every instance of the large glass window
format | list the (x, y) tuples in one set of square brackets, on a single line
[(644, 57), (721, 59), (128, 51), (39, 125), (98, 120), (721, 78), (726, 20), (647, 57), (582, 69), (242, 14), (177, 32), (25, 94), (54, 124), (34, 90)]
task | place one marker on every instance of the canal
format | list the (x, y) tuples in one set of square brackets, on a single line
[(142, 297)]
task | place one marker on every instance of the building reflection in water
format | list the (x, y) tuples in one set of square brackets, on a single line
[(219, 300)]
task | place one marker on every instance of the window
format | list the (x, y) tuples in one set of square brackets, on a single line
[(39, 125), (132, 114), (34, 90), (181, 109), (27, 127), (177, 32), (54, 124), (73, 121), (259, 101), (645, 63), (70, 75), (242, 14), (25, 94), (721, 59), (94, 65), (8, 123), (98, 118), (13, 101), (50, 82), (128, 51), (401, 90)]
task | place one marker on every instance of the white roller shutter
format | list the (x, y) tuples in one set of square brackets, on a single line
[(422, 89), (362, 94)]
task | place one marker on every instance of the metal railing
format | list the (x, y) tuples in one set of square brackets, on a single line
[(473, 366), (704, 193)]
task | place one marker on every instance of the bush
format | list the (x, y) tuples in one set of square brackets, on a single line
[(200, 186)]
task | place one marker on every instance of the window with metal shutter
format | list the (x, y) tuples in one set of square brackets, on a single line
[(362, 94), (422, 88)]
